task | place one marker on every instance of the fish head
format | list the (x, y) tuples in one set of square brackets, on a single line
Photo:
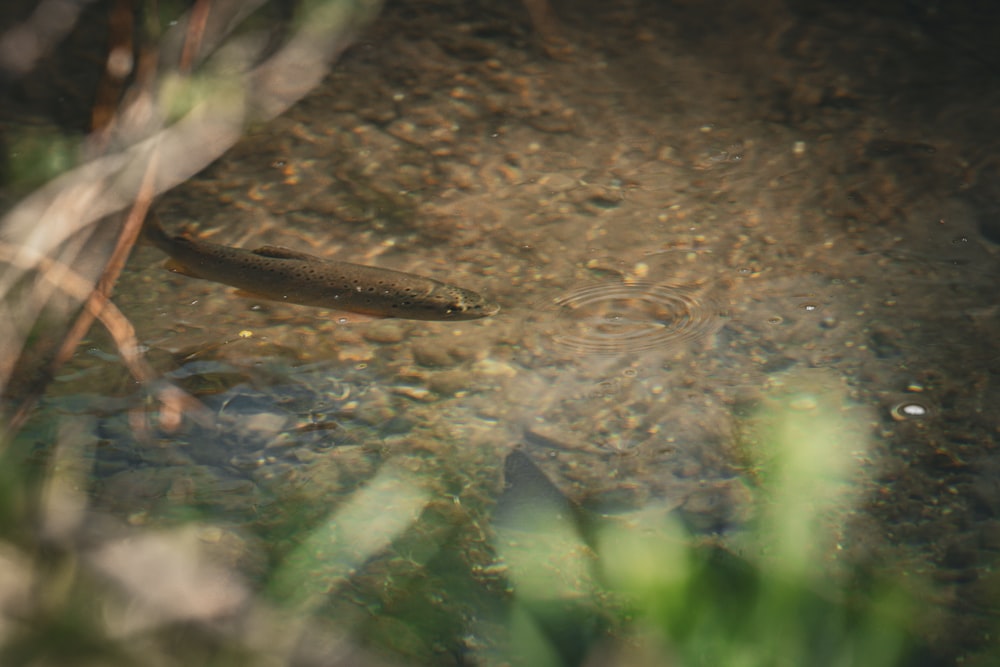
[(447, 302), (468, 305)]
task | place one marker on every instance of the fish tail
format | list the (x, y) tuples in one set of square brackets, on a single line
[(153, 232)]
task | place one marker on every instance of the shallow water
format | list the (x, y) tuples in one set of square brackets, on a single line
[(693, 222)]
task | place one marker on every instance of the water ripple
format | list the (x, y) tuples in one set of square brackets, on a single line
[(614, 317)]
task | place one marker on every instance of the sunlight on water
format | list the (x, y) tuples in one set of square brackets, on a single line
[(362, 527)]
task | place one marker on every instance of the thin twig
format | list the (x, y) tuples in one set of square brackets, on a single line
[(194, 35), (175, 400), (118, 65), (102, 291)]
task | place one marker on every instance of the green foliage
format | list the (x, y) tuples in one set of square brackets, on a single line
[(37, 154), (758, 599), (399, 565)]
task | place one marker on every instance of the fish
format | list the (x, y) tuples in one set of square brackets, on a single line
[(282, 274), (530, 500)]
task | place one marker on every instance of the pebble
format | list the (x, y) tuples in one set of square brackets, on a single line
[(376, 408), (449, 383), (415, 393), (385, 332), (264, 423), (432, 355)]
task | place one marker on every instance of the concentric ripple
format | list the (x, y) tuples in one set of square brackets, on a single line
[(615, 317)]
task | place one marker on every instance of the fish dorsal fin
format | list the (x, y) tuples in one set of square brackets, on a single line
[(280, 252)]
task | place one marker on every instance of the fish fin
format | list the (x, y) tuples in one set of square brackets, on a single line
[(176, 267), (246, 294), (153, 231), (341, 316), (280, 252)]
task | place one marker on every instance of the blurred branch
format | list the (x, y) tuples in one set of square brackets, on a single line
[(212, 122), (99, 307), (99, 298), (172, 128)]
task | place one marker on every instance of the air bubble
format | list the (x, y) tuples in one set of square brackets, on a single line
[(910, 410)]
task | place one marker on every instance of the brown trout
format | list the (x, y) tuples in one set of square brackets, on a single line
[(281, 274)]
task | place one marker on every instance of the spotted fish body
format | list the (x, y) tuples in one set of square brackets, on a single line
[(281, 274)]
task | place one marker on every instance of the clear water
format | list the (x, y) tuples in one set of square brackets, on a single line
[(747, 307)]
